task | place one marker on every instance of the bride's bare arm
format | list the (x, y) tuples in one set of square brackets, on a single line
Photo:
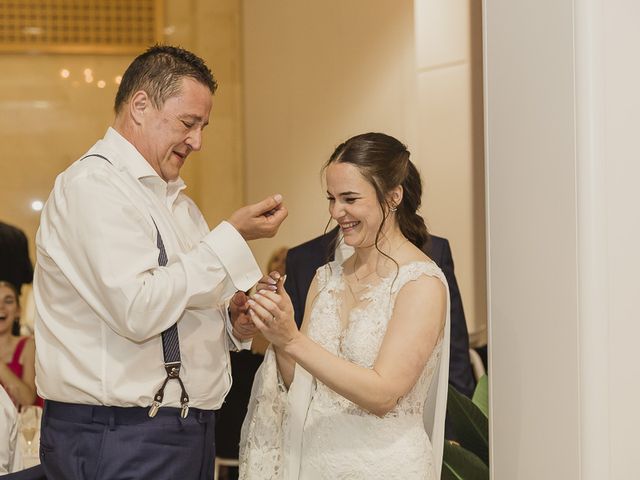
[(412, 333)]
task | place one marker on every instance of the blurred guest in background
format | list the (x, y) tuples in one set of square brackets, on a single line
[(15, 264), (278, 261), (17, 354)]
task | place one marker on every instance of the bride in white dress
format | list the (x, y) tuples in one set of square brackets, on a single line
[(360, 391)]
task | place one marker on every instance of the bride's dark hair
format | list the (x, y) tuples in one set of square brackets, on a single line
[(384, 162)]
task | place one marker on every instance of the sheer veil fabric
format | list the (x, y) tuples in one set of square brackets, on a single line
[(272, 433)]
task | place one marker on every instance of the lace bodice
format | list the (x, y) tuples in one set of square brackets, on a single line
[(339, 439), (367, 324)]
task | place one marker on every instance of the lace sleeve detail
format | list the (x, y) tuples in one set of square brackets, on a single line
[(261, 438), (327, 274), (412, 271)]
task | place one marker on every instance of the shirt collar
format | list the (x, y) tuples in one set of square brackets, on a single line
[(140, 168)]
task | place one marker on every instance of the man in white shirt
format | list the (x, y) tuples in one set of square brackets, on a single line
[(124, 399)]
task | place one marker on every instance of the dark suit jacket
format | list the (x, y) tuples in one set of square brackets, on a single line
[(15, 265), (305, 259)]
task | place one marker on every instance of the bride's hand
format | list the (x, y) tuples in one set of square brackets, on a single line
[(272, 313)]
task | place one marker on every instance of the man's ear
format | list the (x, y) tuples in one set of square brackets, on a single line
[(139, 103)]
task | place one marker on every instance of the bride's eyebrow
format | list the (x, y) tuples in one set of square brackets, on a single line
[(344, 194)]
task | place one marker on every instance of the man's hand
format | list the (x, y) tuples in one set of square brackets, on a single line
[(260, 220), (243, 327), (269, 282)]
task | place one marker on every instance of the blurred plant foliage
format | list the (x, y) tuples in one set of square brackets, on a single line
[(468, 459)]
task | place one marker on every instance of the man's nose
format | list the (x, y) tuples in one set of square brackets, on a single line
[(195, 140)]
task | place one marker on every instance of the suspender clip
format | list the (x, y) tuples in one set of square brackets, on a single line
[(154, 409), (157, 399), (184, 400)]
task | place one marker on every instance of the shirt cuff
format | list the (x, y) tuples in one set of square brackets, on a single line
[(238, 344), (235, 255)]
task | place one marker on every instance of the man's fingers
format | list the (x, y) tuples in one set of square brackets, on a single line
[(267, 205), (278, 214), (274, 277), (239, 298)]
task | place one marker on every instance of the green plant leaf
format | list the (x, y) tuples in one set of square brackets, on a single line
[(481, 395), (460, 464), (470, 425)]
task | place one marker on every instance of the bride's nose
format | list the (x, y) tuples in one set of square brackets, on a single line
[(336, 210)]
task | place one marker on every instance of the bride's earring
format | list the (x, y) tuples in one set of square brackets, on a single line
[(394, 208)]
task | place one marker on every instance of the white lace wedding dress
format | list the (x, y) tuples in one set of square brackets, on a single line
[(310, 432)]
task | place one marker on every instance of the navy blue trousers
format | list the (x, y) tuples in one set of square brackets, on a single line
[(84, 442)]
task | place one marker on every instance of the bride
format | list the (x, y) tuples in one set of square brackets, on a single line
[(360, 391)]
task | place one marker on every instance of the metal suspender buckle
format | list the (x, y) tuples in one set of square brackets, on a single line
[(173, 372)]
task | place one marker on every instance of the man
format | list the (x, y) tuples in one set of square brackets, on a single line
[(304, 260), (15, 265), (123, 256)]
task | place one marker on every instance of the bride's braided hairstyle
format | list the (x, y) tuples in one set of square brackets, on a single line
[(384, 162)]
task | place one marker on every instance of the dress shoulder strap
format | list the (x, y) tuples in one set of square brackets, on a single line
[(18, 351), (328, 273), (412, 271)]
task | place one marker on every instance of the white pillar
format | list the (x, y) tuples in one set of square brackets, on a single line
[(562, 129), (592, 242)]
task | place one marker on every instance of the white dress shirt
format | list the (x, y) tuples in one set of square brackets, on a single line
[(9, 456), (102, 301)]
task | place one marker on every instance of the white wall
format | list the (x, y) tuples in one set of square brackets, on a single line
[(450, 142), (616, 116), (316, 73), (561, 128)]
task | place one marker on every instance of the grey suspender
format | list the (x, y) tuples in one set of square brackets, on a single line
[(170, 340), (171, 351)]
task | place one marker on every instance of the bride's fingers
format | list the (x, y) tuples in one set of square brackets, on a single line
[(257, 321), (280, 287), (260, 310), (266, 300), (274, 297)]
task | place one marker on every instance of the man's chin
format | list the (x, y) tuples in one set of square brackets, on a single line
[(171, 175)]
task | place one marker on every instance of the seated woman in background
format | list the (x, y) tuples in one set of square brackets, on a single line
[(17, 354)]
